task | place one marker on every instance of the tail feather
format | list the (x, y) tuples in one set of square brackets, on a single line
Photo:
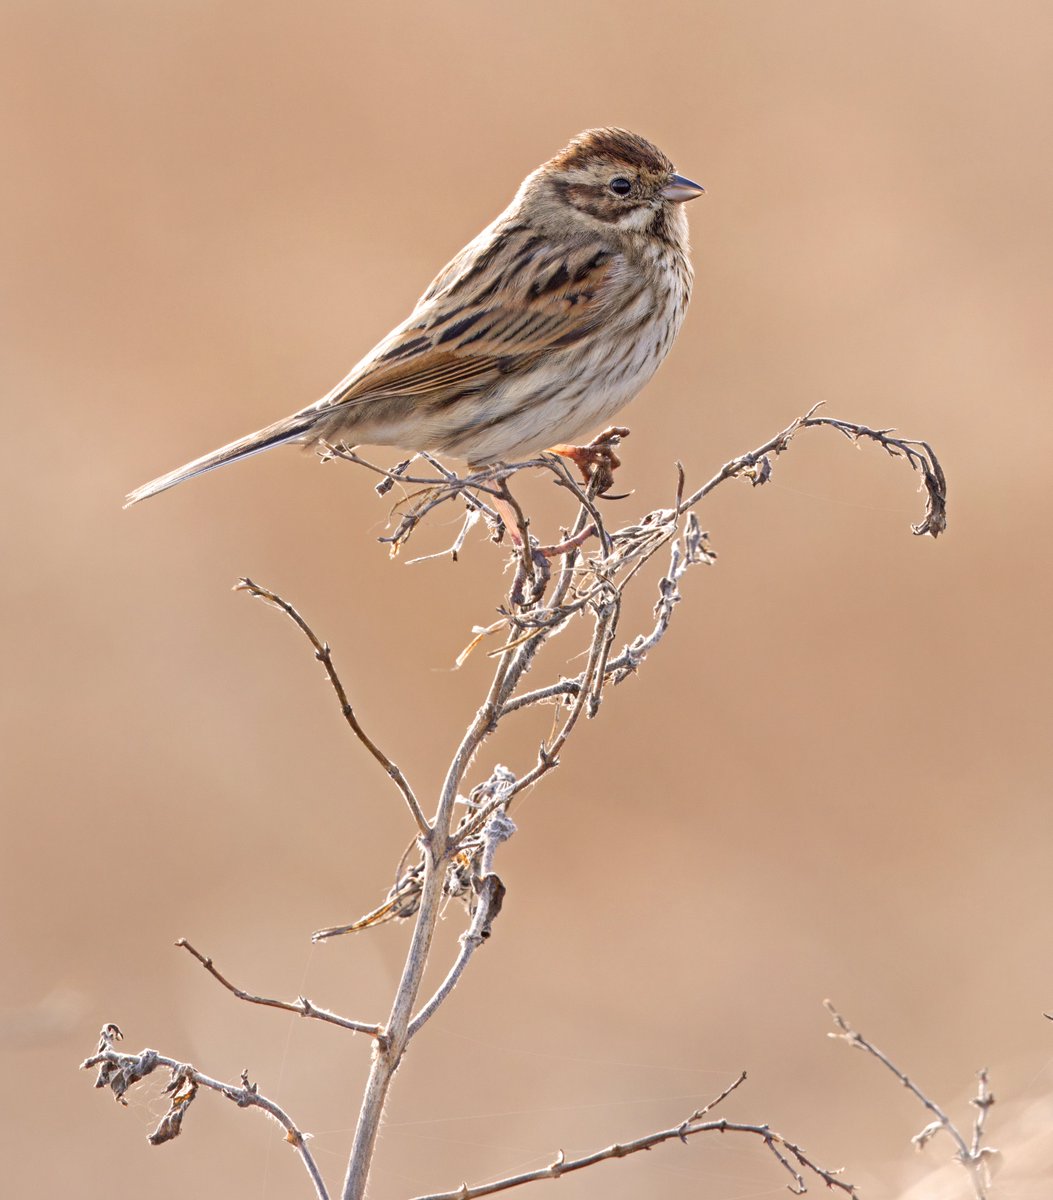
[(287, 430)]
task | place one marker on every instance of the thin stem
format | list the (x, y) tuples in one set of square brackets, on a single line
[(586, 498), (387, 1057), (324, 656), (973, 1160), (506, 674), (782, 1149), (850, 1035), (119, 1071), (490, 892), (982, 1102), (757, 468), (301, 1005), (437, 850), (548, 756), (554, 691), (453, 551)]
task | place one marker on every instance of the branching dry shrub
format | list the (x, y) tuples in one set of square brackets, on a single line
[(578, 583)]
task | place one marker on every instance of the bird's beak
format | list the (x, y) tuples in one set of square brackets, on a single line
[(679, 189)]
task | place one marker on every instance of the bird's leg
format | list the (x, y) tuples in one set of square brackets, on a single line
[(533, 562), (596, 461), (512, 518), (532, 569)]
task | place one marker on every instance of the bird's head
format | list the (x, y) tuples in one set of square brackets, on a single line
[(614, 178)]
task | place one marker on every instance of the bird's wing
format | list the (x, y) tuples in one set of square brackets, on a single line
[(499, 306), (509, 298)]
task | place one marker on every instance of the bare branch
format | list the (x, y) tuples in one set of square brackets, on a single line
[(438, 850), (489, 895), (119, 1072), (922, 459), (586, 497), (593, 586), (733, 1086), (694, 550), (387, 1058), (453, 552), (756, 465), (782, 1149), (551, 587), (982, 1101), (976, 1158), (548, 755), (553, 691), (301, 1005), (324, 656), (445, 485), (639, 543)]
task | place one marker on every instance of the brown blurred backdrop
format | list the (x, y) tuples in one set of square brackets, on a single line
[(208, 212)]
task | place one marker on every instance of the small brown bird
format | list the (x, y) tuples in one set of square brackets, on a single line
[(542, 328)]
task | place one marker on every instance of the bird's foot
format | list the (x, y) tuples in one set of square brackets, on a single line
[(597, 461)]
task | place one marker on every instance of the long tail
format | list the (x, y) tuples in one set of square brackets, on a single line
[(286, 430)]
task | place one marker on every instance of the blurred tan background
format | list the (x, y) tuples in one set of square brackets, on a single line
[(208, 212)]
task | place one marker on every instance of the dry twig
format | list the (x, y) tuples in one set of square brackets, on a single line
[(300, 1005), (975, 1157), (325, 657), (783, 1150), (119, 1072)]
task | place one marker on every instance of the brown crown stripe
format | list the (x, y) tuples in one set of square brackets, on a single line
[(617, 144)]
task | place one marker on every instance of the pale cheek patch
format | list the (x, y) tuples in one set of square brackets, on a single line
[(636, 219)]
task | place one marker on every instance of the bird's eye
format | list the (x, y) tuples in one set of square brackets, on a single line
[(620, 186)]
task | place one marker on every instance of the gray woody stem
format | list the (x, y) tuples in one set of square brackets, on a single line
[(531, 625), (498, 828), (438, 850)]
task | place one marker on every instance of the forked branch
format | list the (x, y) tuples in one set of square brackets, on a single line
[(488, 897), (119, 1072), (585, 574), (785, 1152), (974, 1156)]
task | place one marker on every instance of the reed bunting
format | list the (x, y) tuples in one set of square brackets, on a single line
[(541, 329)]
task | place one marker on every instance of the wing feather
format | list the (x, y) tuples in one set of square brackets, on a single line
[(497, 308)]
